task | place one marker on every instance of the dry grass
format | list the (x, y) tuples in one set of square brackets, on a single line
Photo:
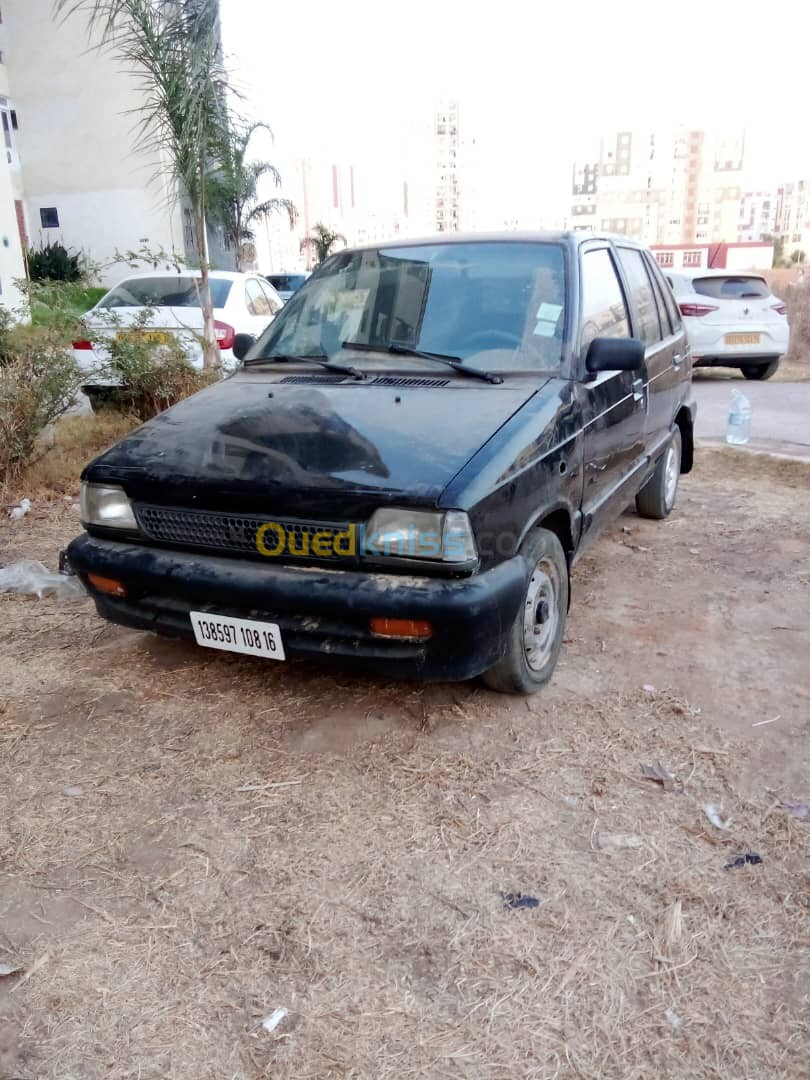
[(190, 840), (76, 440)]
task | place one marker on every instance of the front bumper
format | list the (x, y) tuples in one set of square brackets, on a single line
[(321, 612)]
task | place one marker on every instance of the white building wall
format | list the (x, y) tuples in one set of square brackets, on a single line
[(12, 265), (77, 142)]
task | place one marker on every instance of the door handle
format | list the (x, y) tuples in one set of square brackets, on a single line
[(638, 389), (677, 360)]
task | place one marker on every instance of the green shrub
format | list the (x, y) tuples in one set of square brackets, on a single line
[(39, 382), (53, 262), (154, 376)]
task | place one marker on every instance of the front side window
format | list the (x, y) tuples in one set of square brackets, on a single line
[(604, 312), (495, 305), (164, 292), (641, 294)]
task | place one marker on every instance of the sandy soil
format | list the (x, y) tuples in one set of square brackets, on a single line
[(190, 840)]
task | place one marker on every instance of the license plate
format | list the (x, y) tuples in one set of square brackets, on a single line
[(742, 339), (159, 337), (237, 635)]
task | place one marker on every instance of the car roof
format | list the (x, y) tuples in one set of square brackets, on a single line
[(559, 236), (216, 275), (690, 273)]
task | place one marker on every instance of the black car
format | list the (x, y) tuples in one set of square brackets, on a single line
[(408, 462)]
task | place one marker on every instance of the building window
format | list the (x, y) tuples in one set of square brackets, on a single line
[(664, 258), (49, 217), (691, 258)]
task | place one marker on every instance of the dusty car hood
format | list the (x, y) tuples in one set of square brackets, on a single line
[(255, 444)]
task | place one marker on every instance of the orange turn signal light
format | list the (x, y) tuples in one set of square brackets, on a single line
[(401, 628), (107, 585)]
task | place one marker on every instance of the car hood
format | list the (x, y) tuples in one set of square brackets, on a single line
[(255, 443)]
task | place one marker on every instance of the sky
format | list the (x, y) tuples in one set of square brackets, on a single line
[(351, 79)]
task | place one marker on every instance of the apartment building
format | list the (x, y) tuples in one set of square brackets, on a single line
[(757, 216), (793, 216), (667, 186), (447, 147), (81, 171)]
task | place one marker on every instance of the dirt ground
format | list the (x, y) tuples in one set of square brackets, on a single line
[(191, 840)]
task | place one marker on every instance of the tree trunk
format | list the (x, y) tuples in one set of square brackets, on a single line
[(211, 357)]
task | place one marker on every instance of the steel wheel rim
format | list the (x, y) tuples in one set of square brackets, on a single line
[(541, 616), (671, 470)]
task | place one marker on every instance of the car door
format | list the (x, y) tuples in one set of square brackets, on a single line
[(613, 403), (667, 395), (650, 323)]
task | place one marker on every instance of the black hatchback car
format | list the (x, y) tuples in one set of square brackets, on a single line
[(408, 462)]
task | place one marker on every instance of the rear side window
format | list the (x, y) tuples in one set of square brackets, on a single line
[(164, 292), (604, 312), (641, 293), (665, 285), (256, 299), (272, 297), (736, 287)]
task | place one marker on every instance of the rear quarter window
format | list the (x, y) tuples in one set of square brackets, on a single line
[(733, 287)]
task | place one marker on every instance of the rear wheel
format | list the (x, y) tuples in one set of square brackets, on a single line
[(760, 371), (657, 498), (535, 637)]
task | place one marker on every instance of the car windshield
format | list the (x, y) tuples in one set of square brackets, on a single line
[(493, 305), (737, 287), (164, 292), (287, 282)]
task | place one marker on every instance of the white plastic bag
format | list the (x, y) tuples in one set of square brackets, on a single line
[(33, 578)]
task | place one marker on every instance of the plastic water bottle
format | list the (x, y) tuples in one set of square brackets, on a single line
[(739, 419)]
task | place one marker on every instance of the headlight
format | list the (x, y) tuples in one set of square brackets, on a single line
[(417, 534), (107, 506)]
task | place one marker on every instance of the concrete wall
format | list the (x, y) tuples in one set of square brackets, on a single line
[(78, 143), (12, 266)]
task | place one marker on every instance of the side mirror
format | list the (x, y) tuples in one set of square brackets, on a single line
[(614, 354), (242, 344)]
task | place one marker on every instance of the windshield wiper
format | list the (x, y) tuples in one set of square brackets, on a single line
[(397, 349), (313, 358)]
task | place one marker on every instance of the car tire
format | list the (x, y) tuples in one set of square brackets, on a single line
[(659, 495), (102, 397), (533, 647), (760, 371)]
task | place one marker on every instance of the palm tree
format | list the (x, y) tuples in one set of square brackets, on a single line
[(233, 188), (322, 239), (172, 47)]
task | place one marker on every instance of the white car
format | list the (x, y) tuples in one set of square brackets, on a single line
[(732, 320), (243, 304)]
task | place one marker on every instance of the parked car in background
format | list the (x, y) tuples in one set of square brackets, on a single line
[(287, 284), (407, 464), (162, 306), (732, 320)]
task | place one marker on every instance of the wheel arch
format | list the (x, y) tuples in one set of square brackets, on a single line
[(684, 421)]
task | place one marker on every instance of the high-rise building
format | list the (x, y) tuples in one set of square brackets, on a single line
[(82, 170), (447, 147), (793, 216), (661, 186)]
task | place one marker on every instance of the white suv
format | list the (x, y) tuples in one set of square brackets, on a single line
[(732, 320)]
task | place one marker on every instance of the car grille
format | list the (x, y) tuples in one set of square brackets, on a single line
[(235, 534)]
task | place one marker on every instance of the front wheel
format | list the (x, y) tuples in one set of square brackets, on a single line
[(535, 637), (760, 371), (657, 498)]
